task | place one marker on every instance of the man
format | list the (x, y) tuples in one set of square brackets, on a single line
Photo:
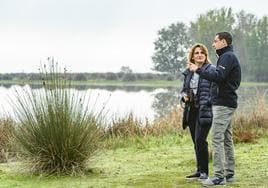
[(226, 77)]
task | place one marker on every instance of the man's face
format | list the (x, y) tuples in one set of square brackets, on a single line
[(219, 44)]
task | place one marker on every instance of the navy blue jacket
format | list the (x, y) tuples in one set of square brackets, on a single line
[(226, 78), (203, 96)]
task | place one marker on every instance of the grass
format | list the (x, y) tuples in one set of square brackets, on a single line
[(161, 161), (253, 84)]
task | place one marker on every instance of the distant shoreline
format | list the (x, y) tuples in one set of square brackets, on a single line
[(141, 83)]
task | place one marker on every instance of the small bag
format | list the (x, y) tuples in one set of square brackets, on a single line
[(185, 116)]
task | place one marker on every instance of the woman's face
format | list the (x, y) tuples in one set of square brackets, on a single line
[(199, 55)]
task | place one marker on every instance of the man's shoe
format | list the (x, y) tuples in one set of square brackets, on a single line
[(193, 176), (214, 181), (230, 178), (203, 176)]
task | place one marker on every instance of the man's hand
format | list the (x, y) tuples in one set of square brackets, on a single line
[(192, 67)]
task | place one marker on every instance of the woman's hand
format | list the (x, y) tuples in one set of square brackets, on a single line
[(192, 67), (185, 98)]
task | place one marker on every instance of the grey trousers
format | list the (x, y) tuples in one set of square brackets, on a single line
[(222, 141)]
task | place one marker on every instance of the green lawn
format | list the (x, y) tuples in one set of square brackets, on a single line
[(147, 162)]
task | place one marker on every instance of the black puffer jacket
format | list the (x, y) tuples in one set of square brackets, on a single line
[(203, 96), (226, 78)]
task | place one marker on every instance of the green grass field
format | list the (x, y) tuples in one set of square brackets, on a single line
[(161, 161)]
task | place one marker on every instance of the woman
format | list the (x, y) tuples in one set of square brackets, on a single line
[(196, 94)]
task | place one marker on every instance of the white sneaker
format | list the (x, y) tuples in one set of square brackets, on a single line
[(214, 181)]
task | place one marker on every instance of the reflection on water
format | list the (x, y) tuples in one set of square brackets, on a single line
[(143, 102), (164, 101), (85, 87)]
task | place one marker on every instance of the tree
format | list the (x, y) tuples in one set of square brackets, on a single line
[(80, 76), (111, 76), (207, 25), (257, 50), (243, 30), (170, 48), (126, 69), (164, 101), (127, 74), (129, 77)]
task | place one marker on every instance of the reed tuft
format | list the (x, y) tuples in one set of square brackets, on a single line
[(56, 131)]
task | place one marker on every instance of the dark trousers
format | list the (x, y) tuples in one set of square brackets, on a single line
[(199, 135)]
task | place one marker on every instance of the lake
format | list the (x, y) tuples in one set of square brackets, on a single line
[(116, 102)]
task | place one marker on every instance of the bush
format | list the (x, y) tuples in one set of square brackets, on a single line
[(111, 76), (129, 77), (80, 76), (56, 131), (170, 78)]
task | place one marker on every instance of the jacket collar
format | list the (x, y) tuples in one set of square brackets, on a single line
[(223, 50), (205, 65)]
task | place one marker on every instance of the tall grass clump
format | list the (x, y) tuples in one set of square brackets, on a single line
[(125, 127), (171, 122), (251, 123), (7, 137), (130, 130), (57, 131), (130, 126)]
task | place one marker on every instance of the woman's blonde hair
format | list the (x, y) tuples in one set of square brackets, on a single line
[(203, 48)]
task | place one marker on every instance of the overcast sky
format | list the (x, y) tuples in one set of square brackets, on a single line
[(95, 35)]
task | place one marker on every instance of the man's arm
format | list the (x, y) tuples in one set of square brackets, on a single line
[(215, 74)]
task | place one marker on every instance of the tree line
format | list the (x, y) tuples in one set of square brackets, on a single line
[(250, 41), (125, 74)]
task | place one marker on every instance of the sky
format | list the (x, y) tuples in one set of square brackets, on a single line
[(95, 35)]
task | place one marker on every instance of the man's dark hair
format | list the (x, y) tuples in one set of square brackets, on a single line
[(227, 36)]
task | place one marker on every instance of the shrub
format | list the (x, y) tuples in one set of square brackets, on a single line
[(129, 77), (170, 78), (111, 76), (80, 76), (57, 132)]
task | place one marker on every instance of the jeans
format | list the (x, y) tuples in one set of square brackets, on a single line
[(199, 135)]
